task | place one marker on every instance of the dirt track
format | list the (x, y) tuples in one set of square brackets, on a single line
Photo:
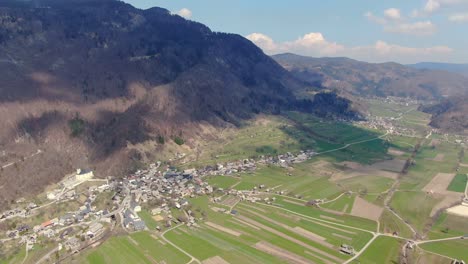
[(281, 253), (222, 228)]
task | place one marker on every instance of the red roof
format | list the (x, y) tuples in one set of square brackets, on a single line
[(46, 224)]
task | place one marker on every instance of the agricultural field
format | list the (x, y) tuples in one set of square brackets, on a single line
[(414, 207), (264, 135), (224, 182), (448, 225), (429, 162), (263, 234), (458, 184), (139, 247), (389, 224), (421, 256), (453, 249), (382, 250), (343, 204), (308, 180), (332, 135), (367, 184)]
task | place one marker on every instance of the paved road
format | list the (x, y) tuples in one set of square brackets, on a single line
[(350, 144), (362, 250), (192, 258), (437, 240)]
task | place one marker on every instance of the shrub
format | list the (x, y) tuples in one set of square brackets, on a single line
[(161, 140), (266, 150), (77, 126), (179, 141)]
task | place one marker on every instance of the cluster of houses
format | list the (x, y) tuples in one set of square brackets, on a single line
[(249, 165), (17, 212), (165, 190), (61, 228)]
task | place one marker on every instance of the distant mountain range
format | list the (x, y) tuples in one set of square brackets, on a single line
[(374, 79), (450, 67)]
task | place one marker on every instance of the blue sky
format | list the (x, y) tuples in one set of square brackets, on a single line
[(371, 30)]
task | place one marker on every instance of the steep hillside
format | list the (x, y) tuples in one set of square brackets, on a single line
[(450, 114), (368, 79), (103, 85)]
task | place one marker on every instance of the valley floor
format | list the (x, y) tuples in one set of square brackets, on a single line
[(373, 192)]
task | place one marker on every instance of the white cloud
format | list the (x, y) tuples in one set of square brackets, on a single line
[(420, 28), (315, 44), (432, 6), (460, 18), (394, 22), (185, 13), (315, 41), (375, 19), (264, 42), (392, 13)]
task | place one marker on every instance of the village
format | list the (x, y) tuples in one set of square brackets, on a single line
[(163, 187)]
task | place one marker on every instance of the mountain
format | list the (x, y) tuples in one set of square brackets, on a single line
[(450, 114), (100, 84), (371, 79), (450, 67)]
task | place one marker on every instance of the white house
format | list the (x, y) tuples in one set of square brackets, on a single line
[(83, 175)]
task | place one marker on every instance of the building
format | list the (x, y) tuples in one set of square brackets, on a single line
[(139, 225), (347, 249), (95, 229), (83, 175), (73, 244)]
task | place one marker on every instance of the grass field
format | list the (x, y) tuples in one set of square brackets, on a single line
[(314, 212), (367, 183), (448, 225), (389, 223), (331, 135), (148, 219), (224, 182), (414, 207), (249, 140), (426, 168), (343, 204), (453, 249), (136, 248), (305, 180), (382, 250), (257, 223), (458, 183)]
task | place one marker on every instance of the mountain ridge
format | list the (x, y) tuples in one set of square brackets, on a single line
[(374, 79), (106, 86)]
